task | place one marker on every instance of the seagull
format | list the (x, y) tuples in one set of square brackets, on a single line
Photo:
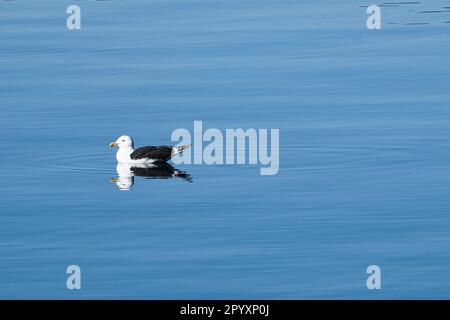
[(144, 155)]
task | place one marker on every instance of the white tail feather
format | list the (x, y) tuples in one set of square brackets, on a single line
[(179, 149)]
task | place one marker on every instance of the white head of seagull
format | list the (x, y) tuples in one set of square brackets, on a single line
[(126, 147), (143, 155), (123, 142)]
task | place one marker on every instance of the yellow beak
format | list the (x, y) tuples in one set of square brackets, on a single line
[(113, 144)]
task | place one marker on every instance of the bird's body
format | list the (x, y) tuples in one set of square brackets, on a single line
[(143, 155)]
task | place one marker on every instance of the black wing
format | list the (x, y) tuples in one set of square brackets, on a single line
[(160, 154)]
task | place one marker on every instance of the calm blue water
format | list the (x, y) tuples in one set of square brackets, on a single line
[(364, 168)]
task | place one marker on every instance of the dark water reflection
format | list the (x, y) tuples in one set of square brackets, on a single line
[(414, 13), (126, 173)]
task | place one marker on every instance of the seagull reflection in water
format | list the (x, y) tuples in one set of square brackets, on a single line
[(126, 173)]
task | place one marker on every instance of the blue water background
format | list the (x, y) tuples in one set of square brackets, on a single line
[(364, 149)]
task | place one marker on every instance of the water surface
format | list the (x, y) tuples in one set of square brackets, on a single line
[(364, 170)]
